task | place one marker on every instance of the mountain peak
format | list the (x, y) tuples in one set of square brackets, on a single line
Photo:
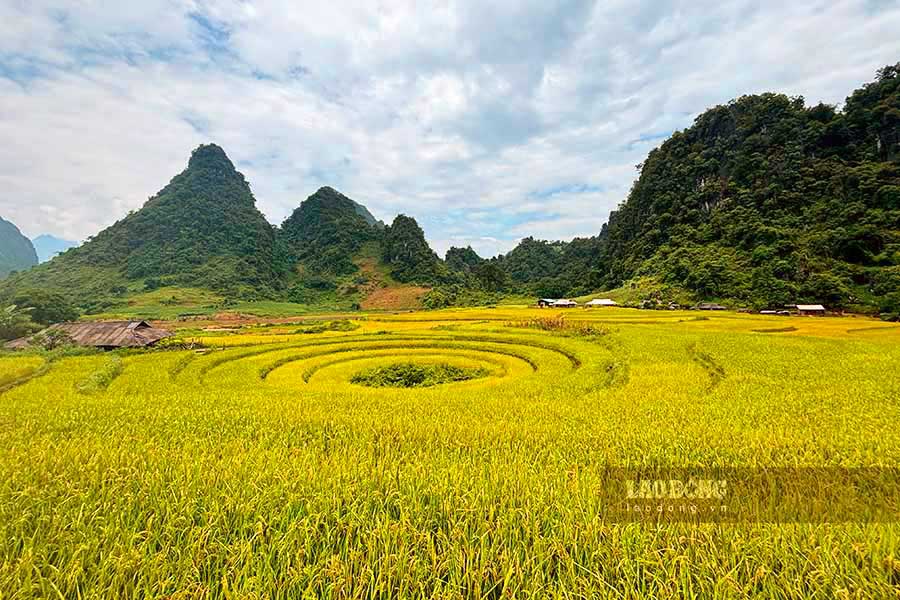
[(329, 195), (326, 230), (210, 156), (407, 251)]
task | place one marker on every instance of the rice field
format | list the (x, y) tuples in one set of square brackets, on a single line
[(258, 468)]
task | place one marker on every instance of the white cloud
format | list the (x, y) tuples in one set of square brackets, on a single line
[(486, 122)]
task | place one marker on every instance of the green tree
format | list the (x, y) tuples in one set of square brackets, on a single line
[(46, 307), (491, 277), (15, 322), (462, 259)]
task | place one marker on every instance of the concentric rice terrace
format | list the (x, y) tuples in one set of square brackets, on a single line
[(258, 468)]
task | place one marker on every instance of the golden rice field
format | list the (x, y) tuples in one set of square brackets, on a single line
[(258, 469)]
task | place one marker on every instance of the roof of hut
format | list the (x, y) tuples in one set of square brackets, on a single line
[(104, 334)]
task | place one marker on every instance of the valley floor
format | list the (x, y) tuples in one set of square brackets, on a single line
[(258, 468)]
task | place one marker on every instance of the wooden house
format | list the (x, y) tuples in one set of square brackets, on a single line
[(565, 303), (815, 310), (710, 306), (103, 334)]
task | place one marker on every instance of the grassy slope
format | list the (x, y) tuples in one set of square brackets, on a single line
[(382, 292), (636, 290), (192, 303)]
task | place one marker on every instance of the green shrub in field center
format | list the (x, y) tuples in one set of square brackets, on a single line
[(409, 375)]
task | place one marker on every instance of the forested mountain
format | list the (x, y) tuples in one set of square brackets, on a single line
[(411, 259), (16, 251), (763, 201), (555, 269), (341, 253), (326, 232), (48, 246), (463, 260), (768, 201), (202, 230), (533, 260)]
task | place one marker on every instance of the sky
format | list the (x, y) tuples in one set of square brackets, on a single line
[(486, 121)]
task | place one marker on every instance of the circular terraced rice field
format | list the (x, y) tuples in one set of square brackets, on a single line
[(257, 468)]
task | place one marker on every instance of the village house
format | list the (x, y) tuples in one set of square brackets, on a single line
[(601, 302), (710, 306), (545, 302), (814, 310), (106, 335), (565, 303)]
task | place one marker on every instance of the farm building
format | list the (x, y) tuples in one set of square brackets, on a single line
[(565, 303), (601, 302), (710, 306), (811, 309), (545, 302), (103, 334)]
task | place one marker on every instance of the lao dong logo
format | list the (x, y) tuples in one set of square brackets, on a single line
[(676, 489)]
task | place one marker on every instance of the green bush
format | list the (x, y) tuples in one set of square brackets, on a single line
[(46, 307), (412, 375), (15, 322)]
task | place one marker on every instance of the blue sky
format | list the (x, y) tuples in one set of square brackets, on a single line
[(486, 121)]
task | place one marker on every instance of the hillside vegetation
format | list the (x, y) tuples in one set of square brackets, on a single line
[(770, 201), (344, 257), (411, 258)]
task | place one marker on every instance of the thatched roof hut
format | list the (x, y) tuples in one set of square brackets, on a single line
[(103, 334)]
